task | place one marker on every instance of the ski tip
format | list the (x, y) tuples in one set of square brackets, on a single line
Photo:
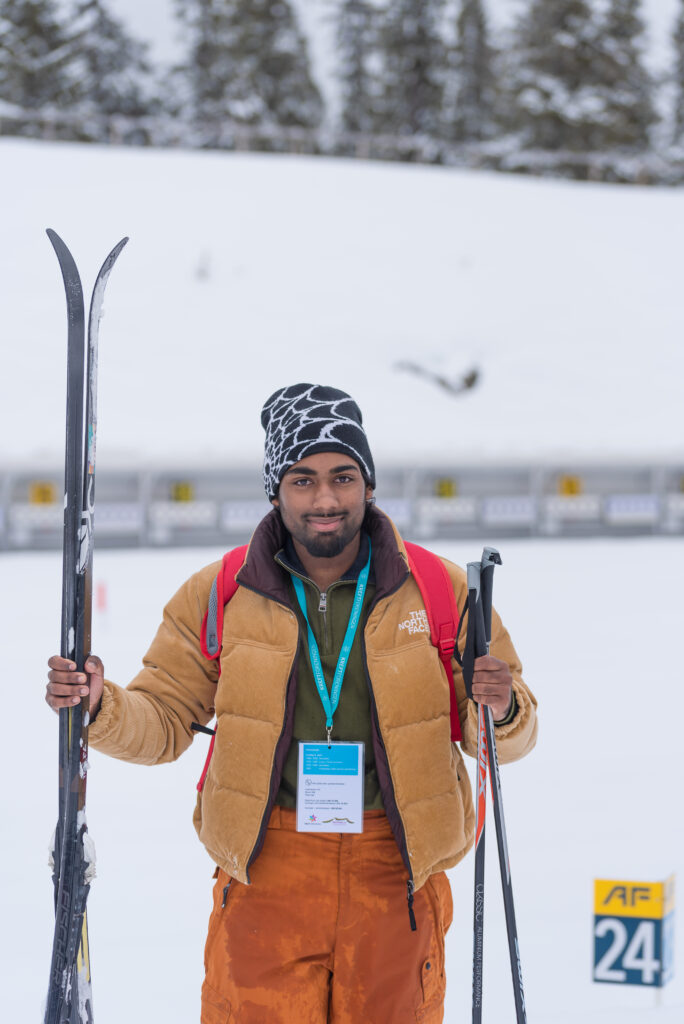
[(66, 260), (54, 237), (114, 254)]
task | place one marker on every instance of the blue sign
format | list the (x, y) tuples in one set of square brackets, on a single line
[(634, 932)]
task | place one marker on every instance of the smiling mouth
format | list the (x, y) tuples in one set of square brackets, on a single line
[(325, 524)]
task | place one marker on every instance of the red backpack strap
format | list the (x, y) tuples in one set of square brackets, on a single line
[(437, 592), (211, 632), (222, 589)]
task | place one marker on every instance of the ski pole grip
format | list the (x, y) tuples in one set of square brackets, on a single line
[(490, 558), (476, 640), (474, 570)]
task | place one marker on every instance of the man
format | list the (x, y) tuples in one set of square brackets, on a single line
[(314, 922)]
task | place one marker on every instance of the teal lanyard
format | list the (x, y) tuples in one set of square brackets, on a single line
[(330, 701)]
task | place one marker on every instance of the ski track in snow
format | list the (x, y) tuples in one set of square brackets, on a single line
[(592, 621)]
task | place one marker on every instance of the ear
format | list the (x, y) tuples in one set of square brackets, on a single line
[(275, 502), (369, 492)]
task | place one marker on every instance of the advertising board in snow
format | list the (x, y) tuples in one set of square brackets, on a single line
[(634, 932)]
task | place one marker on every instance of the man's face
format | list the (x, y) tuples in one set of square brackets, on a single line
[(322, 501)]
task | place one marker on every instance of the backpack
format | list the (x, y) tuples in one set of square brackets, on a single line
[(433, 582)]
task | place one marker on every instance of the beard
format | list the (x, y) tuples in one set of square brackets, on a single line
[(327, 546), (324, 545)]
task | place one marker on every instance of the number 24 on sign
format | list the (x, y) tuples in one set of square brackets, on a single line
[(633, 932)]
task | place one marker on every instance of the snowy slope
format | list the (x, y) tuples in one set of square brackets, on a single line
[(566, 295), (598, 798)]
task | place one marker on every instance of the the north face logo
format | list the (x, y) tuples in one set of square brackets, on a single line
[(417, 622)]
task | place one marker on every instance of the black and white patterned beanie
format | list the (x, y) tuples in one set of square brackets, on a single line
[(303, 419)]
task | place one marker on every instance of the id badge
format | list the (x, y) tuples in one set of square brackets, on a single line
[(330, 787)]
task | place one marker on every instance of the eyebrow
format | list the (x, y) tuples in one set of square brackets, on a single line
[(306, 471)]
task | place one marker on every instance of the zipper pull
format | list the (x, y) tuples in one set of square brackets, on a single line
[(412, 917), (225, 893), (323, 602)]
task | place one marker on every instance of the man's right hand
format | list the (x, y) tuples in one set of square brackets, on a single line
[(66, 686)]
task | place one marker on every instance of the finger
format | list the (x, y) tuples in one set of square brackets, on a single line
[(492, 678), (56, 703), (490, 682), (491, 689), (487, 668), (489, 663), (64, 690), (497, 699), (490, 693), (67, 678), (94, 665), (61, 664), (499, 708)]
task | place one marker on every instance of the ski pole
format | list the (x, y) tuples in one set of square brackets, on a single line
[(474, 573), (490, 558)]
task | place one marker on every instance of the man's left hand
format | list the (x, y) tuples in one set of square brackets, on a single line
[(493, 685)]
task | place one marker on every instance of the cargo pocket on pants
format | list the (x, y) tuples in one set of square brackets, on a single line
[(432, 975), (434, 989), (215, 1009)]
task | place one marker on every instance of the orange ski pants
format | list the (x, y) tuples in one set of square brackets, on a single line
[(322, 934)]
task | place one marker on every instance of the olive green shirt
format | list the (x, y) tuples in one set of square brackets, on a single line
[(329, 617)]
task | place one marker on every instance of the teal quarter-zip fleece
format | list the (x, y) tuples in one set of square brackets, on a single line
[(329, 616)]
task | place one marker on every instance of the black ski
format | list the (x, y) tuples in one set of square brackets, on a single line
[(69, 994)]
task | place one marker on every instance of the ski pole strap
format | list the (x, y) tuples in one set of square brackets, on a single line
[(476, 639), (437, 592), (457, 654)]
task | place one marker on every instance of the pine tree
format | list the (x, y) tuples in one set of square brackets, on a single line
[(115, 76), (474, 104), (579, 83), (248, 63), (623, 86), (678, 41), (550, 77), (360, 66), (36, 58), (416, 66)]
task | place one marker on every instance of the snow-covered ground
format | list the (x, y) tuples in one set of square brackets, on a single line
[(598, 798), (246, 272)]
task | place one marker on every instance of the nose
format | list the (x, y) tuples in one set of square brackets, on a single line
[(325, 499)]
